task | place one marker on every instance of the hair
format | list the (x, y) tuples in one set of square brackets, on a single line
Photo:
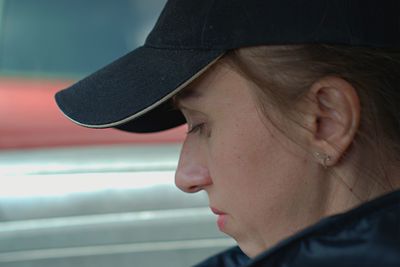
[(283, 75)]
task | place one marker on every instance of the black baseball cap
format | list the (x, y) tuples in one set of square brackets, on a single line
[(134, 92)]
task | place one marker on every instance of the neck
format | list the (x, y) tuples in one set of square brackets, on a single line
[(352, 186)]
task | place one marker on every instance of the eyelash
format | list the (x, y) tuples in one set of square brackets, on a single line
[(196, 128)]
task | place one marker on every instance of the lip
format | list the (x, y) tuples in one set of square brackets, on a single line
[(217, 211), (221, 221)]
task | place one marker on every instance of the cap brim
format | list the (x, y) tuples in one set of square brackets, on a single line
[(132, 93)]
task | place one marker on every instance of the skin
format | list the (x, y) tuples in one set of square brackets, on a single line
[(267, 186)]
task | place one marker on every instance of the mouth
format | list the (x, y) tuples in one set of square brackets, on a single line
[(216, 211), (222, 217)]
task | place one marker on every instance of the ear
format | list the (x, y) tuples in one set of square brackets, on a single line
[(335, 117)]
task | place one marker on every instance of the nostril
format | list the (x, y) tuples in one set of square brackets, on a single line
[(194, 189)]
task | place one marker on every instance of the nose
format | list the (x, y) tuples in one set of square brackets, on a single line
[(192, 174)]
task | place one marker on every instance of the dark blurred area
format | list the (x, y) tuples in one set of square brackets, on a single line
[(46, 46), (70, 38), (72, 196)]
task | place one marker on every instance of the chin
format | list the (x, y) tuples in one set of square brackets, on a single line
[(250, 250), (250, 247)]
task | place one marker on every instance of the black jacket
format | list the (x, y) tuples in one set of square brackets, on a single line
[(367, 236)]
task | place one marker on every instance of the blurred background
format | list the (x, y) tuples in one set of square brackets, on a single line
[(72, 196)]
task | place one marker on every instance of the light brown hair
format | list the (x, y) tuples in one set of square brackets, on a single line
[(283, 74)]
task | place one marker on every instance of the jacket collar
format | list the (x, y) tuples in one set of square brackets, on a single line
[(368, 235)]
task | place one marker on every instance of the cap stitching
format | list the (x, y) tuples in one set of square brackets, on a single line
[(150, 107), (173, 47)]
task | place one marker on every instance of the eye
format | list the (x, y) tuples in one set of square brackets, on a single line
[(196, 128)]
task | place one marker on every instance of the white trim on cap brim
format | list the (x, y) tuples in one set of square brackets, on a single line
[(156, 104)]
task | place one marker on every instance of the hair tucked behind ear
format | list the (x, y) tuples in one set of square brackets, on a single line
[(283, 74)]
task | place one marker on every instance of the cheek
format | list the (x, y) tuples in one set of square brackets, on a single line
[(250, 169), (239, 158)]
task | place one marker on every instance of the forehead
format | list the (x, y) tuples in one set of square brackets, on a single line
[(189, 93), (186, 95), (204, 86)]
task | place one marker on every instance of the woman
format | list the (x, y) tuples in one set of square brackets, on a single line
[(293, 122)]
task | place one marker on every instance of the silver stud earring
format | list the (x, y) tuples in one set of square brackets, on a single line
[(325, 159)]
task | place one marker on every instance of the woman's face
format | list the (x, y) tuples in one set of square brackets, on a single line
[(257, 180)]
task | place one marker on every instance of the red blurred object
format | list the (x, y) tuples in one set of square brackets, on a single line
[(30, 118)]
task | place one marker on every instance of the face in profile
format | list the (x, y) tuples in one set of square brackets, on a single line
[(255, 177)]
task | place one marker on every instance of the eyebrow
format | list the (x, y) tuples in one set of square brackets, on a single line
[(185, 95)]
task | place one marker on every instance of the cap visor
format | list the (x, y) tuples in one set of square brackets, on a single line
[(132, 93)]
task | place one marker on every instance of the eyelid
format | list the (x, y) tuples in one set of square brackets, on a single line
[(194, 110), (188, 110), (192, 116), (195, 128), (195, 120)]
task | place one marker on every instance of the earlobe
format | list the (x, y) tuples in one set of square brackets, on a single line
[(335, 116)]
